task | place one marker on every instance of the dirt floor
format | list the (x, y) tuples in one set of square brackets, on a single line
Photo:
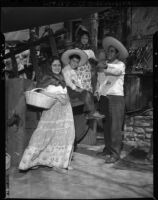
[(91, 178)]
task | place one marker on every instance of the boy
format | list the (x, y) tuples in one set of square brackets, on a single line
[(73, 59)]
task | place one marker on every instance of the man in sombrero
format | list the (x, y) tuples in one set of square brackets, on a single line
[(111, 98), (72, 60)]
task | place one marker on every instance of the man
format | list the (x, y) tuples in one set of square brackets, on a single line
[(111, 98)]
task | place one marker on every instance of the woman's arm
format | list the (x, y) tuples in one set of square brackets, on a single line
[(68, 78)]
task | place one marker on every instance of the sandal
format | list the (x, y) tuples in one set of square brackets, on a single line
[(35, 167), (111, 159)]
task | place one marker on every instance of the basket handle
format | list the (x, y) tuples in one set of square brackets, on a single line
[(37, 89)]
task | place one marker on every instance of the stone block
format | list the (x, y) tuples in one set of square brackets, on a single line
[(141, 137), (139, 130), (149, 130), (135, 134), (143, 124), (149, 113), (128, 128), (131, 143), (147, 140), (148, 117), (138, 117), (148, 135), (128, 133)]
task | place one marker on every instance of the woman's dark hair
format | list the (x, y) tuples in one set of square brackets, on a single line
[(54, 58), (74, 56), (50, 61)]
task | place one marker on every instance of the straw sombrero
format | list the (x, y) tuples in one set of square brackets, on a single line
[(111, 41), (66, 60)]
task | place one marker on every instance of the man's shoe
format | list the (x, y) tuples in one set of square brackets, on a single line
[(109, 159)]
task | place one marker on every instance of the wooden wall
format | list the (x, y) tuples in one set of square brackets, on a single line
[(18, 130), (138, 91)]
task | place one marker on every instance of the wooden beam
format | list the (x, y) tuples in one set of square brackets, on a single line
[(33, 43), (53, 43)]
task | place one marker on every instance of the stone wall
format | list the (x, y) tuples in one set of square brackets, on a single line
[(138, 129)]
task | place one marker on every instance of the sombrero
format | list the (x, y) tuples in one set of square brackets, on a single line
[(66, 56), (111, 41)]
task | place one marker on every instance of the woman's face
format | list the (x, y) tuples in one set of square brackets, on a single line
[(56, 67), (84, 39)]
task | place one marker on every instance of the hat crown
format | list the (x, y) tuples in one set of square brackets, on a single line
[(111, 41)]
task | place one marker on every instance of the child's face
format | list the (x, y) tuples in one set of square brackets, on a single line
[(56, 66), (84, 39), (74, 63)]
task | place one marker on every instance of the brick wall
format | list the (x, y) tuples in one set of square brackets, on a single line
[(139, 128)]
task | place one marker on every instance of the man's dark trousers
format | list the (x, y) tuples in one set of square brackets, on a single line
[(113, 107)]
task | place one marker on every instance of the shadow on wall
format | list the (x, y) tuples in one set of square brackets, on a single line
[(138, 92)]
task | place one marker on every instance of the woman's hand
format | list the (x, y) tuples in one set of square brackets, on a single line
[(63, 98)]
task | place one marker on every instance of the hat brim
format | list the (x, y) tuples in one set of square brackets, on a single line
[(90, 54), (66, 56), (110, 41)]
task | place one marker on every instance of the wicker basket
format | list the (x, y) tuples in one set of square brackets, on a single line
[(39, 99)]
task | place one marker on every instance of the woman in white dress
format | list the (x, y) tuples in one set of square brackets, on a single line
[(52, 142)]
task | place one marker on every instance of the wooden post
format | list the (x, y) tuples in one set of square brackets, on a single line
[(94, 29), (33, 56), (14, 63), (52, 43), (124, 26)]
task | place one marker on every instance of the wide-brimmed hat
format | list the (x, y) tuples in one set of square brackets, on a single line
[(111, 41), (65, 58)]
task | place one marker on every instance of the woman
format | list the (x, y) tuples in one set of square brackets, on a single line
[(52, 142)]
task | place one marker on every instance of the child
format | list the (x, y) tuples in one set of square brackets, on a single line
[(73, 59)]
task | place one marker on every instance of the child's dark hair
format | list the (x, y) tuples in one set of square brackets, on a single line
[(74, 56), (84, 33)]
